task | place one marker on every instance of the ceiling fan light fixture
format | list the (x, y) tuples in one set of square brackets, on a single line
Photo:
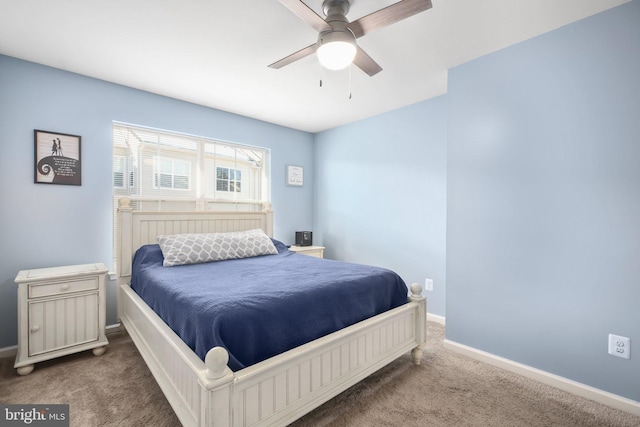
[(336, 49)]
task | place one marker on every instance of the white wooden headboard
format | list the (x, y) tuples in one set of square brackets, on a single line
[(137, 228)]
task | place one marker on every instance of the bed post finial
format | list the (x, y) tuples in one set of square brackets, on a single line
[(216, 362), (416, 292), (124, 203)]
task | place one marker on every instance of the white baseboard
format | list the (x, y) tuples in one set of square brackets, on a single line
[(436, 318), (111, 329), (9, 351), (548, 378)]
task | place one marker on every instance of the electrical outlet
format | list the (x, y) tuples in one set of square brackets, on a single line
[(619, 346), (428, 284)]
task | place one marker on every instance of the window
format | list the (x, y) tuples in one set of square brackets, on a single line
[(167, 167), (228, 179), (160, 170), (119, 171), (120, 168), (171, 173)]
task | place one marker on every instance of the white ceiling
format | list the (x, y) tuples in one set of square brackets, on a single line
[(215, 53)]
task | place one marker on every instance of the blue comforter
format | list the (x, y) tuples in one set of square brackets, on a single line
[(259, 307)]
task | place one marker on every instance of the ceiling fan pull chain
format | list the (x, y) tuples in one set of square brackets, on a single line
[(322, 74), (350, 67)]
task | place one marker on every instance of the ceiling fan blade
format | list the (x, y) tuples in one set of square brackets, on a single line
[(309, 50), (305, 13), (366, 63), (387, 16)]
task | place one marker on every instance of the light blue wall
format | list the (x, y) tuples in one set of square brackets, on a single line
[(531, 163), (543, 214), (381, 194), (49, 225)]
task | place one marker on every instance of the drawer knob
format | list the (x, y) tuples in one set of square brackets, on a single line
[(35, 328), (65, 287)]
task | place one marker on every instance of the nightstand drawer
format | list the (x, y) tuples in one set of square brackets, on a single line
[(315, 251), (62, 287)]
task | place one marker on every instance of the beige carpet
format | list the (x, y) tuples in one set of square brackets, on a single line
[(448, 389)]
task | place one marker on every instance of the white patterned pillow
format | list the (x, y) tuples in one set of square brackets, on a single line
[(180, 249)]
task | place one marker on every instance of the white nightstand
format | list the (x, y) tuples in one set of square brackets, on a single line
[(316, 251), (61, 310)]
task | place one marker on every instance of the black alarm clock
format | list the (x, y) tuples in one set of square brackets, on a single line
[(304, 238)]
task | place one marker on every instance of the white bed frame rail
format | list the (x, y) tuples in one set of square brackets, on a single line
[(278, 390)]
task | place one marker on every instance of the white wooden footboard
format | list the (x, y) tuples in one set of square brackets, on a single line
[(280, 389)]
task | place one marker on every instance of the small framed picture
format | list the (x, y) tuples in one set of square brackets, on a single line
[(57, 158), (295, 175)]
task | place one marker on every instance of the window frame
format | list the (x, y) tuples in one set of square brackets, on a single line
[(157, 171), (122, 162), (237, 183), (137, 145)]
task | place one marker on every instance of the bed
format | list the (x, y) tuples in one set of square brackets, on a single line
[(213, 389)]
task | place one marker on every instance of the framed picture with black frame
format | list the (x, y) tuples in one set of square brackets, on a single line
[(57, 158)]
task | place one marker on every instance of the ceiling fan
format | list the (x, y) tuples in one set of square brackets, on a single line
[(336, 46)]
